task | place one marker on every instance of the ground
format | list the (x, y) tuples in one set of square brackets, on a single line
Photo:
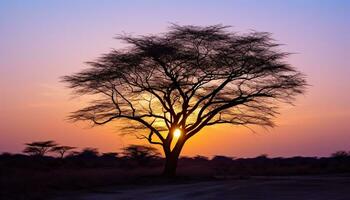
[(254, 188)]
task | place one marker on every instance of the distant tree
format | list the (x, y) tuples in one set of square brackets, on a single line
[(220, 158), (110, 155), (61, 150), (200, 158), (140, 153), (341, 154), (6, 155), (73, 154), (170, 86), (39, 148), (89, 153), (262, 156)]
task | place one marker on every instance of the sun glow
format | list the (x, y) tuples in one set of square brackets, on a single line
[(177, 133)]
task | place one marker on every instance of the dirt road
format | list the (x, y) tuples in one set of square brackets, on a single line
[(258, 188)]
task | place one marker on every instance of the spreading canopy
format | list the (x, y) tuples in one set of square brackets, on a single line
[(39, 148), (188, 78)]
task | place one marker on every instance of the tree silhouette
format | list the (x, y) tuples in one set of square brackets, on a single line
[(110, 155), (39, 148), (88, 153), (184, 80), (142, 154), (341, 154), (61, 150)]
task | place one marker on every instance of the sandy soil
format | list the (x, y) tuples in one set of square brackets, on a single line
[(257, 188)]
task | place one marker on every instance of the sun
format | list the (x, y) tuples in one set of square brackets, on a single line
[(177, 133)]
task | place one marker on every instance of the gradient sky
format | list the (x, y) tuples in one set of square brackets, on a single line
[(41, 41)]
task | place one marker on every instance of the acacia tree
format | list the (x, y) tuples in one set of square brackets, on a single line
[(61, 150), (140, 153), (39, 148), (186, 79)]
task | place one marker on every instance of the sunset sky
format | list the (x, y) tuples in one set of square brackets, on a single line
[(40, 41)]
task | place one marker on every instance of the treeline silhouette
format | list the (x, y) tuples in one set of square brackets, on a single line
[(50, 155), (47, 167), (138, 156)]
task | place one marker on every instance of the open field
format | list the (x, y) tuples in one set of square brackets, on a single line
[(255, 188)]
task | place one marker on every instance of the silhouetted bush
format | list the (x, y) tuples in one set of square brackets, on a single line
[(110, 155), (341, 155), (140, 155)]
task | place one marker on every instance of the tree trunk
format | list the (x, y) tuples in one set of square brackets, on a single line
[(172, 157), (170, 164)]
